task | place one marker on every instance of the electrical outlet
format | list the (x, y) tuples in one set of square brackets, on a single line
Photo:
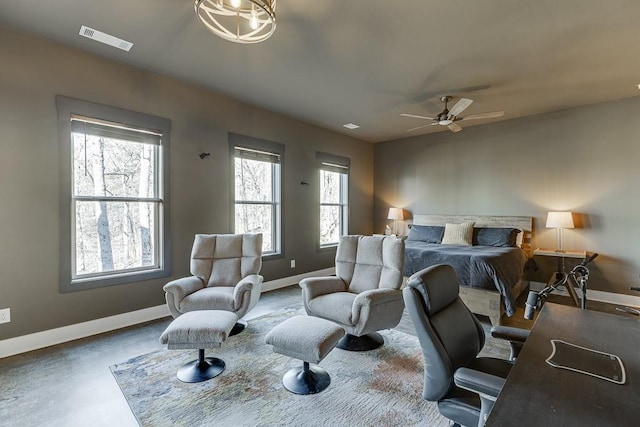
[(5, 315), (293, 263)]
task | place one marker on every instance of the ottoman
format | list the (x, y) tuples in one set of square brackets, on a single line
[(199, 330), (309, 339)]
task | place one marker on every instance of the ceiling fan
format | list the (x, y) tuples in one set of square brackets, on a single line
[(449, 118)]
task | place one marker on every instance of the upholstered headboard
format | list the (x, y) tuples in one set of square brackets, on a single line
[(524, 223)]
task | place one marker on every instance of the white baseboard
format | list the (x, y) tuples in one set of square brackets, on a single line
[(24, 343), (608, 297)]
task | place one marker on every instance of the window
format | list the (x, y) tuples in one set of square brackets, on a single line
[(334, 200), (257, 190), (114, 195)]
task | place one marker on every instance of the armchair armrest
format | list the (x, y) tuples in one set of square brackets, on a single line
[(184, 286), (177, 290), (377, 296), (315, 286), (248, 284), (380, 308), (486, 385)]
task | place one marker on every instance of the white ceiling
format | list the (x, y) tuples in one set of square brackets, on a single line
[(331, 62)]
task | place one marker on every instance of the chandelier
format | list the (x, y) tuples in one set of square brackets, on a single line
[(239, 21)]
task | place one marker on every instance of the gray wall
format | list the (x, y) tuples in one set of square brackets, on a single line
[(34, 71), (585, 160)]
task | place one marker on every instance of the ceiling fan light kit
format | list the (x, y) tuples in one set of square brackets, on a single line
[(449, 118), (239, 21)]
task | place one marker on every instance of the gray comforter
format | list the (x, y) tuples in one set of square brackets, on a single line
[(487, 267)]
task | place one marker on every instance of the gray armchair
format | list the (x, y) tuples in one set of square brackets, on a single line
[(225, 271), (464, 385), (364, 296)]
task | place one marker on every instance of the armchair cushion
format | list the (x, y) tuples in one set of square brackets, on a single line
[(336, 306), (220, 297), (225, 272), (224, 259), (370, 262)]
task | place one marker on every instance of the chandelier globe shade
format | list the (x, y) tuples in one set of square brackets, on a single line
[(239, 21)]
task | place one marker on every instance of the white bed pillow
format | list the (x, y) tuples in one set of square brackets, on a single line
[(458, 234)]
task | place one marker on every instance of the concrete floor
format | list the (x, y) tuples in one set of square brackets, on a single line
[(70, 384)]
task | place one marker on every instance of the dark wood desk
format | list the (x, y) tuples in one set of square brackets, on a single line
[(537, 394)]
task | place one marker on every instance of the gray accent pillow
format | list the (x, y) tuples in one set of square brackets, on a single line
[(499, 237), (426, 233)]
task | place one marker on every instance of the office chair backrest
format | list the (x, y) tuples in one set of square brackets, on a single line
[(370, 262), (449, 334)]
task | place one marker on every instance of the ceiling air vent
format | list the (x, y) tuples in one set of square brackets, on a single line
[(105, 38)]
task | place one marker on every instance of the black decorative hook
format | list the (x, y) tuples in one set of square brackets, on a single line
[(203, 155)]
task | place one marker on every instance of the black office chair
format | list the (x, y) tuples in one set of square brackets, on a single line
[(464, 385)]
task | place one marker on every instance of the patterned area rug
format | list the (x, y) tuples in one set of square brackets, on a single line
[(381, 387)]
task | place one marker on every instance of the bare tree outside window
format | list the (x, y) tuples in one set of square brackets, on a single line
[(257, 199), (116, 204), (333, 206)]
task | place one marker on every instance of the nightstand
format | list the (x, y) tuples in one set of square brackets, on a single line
[(560, 272)]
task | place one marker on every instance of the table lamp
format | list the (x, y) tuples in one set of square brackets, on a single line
[(395, 214), (560, 220)]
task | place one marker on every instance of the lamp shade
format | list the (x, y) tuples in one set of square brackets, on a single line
[(560, 220), (395, 213)]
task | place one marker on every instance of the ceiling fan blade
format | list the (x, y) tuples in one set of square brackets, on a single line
[(454, 127), (460, 106), (489, 115), (423, 126), (416, 116)]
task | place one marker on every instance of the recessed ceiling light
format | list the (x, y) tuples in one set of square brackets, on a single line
[(351, 126), (105, 38)]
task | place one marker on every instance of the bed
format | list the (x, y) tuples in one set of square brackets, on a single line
[(492, 272)]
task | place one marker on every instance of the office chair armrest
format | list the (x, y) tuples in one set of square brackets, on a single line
[(484, 384), (315, 286), (515, 336), (510, 334)]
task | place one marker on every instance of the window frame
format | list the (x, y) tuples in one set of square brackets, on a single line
[(68, 109), (261, 148), (333, 163)]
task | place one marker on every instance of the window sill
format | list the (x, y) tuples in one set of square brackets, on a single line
[(67, 285)]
